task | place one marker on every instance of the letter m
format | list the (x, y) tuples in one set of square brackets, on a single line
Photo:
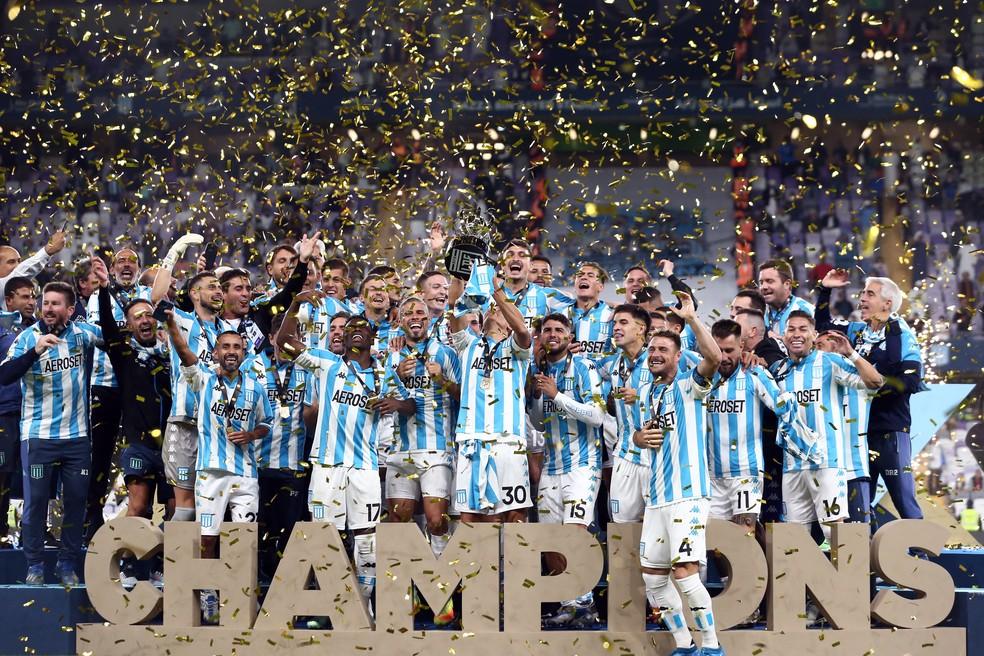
[(404, 558)]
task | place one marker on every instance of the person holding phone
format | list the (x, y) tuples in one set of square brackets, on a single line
[(122, 287), (141, 365)]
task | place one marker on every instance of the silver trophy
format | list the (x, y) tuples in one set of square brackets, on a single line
[(471, 244)]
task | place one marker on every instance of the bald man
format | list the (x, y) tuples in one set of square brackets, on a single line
[(11, 264)]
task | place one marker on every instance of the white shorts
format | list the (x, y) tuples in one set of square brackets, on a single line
[(814, 494), (609, 429), (410, 474), (512, 470), (735, 496), (568, 498), (345, 496), (216, 491), (674, 533), (629, 493)]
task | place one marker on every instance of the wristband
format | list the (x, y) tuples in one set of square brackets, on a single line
[(854, 357)]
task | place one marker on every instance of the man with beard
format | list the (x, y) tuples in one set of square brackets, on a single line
[(280, 264), (199, 329), (50, 361), (541, 271), (666, 319), (818, 491), (354, 399), (233, 413), (11, 264), (672, 428), (734, 415), (420, 469), (107, 403), (21, 302), (776, 284), (492, 479), (280, 455), (140, 363), (748, 309), (565, 402), (883, 338)]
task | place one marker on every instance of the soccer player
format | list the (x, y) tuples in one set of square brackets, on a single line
[(734, 416), (280, 455), (280, 264), (335, 279), (776, 283), (639, 289), (233, 413), (49, 359), (756, 341), (566, 403), (376, 309), (141, 367), (107, 399), (673, 430), (591, 317), (492, 481), (200, 329), (432, 287), (628, 373), (666, 319), (541, 271), (532, 300), (420, 468), (883, 338), (21, 301), (812, 491), (354, 399)]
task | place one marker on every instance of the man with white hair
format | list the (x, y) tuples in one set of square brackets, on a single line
[(900, 362)]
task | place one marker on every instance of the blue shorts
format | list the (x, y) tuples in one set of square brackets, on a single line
[(142, 462)]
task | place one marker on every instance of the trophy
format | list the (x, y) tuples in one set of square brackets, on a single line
[(472, 243)]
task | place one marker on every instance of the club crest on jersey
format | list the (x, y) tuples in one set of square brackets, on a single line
[(136, 463), (207, 520), (461, 497), (37, 472), (184, 473)]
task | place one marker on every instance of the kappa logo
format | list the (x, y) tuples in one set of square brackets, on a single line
[(37, 472), (207, 520), (84, 472)]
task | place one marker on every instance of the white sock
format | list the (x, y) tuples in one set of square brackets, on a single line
[(183, 515), (439, 543), (663, 596), (365, 563), (699, 601)]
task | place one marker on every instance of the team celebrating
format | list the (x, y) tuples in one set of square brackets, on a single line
[(496, 398)]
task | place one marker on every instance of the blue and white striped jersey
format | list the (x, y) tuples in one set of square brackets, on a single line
[(688, 360), (734, 418), (634, 374), (102, 368), (384, 331), (493, 387), (535, 302), (315, 320), (285, 384), (593, 330), (818, 381), (55, 390), (688, 340), (348, 433), (432, 427), (201, 336), (226, 406), (569, 442), (775, 320), (678, 469), (857, 406)]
